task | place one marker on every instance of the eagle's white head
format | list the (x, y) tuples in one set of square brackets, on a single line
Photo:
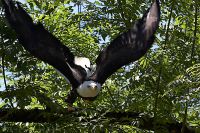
[(89, 89)]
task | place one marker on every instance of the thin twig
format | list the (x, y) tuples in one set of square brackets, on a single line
[(122, 11), (168, 24), (3, 68), (4, 78), (195, 31), (3, 71), (160, 63)]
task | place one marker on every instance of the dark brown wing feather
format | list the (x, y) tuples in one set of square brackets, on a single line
[(129, 46), (42, 44)]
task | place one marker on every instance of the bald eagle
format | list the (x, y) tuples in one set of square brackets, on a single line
[(124, 49)]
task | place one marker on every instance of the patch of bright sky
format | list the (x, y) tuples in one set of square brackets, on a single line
[(22, 1), (2, 85)]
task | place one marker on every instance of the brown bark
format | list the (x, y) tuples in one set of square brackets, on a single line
[(124, 118)]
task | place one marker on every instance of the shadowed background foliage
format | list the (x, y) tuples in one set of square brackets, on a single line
[(161, 89)]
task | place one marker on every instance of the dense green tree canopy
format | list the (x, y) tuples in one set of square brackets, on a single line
[(160, 92)]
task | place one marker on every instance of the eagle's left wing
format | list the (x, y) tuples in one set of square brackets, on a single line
[(129, 46)]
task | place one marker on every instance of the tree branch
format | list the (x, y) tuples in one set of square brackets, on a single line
[(195, 30), (4, 74), (125, 118)]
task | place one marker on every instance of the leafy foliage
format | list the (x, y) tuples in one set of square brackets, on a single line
[(164, 84)]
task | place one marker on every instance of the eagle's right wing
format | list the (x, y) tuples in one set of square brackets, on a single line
[(42, 44)]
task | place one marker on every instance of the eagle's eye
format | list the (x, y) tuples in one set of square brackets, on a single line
[(88, 86)]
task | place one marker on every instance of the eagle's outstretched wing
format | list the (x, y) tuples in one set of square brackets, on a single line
[(129, 46), (42, 44)]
